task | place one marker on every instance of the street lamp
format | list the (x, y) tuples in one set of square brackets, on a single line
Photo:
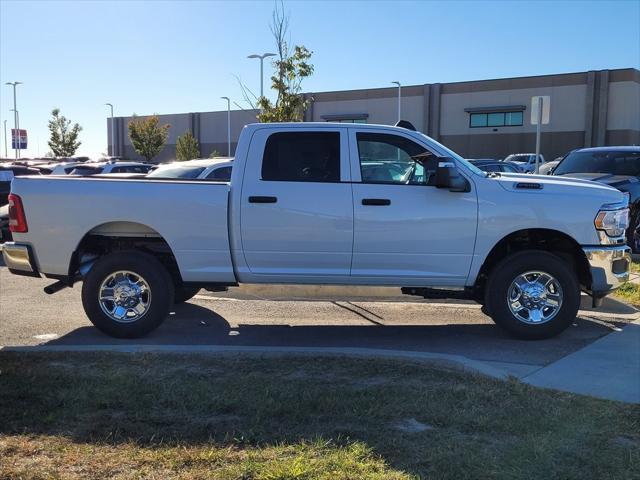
[(15, 117), (228, 125), (262, 57), (399, 99), (113, 145)]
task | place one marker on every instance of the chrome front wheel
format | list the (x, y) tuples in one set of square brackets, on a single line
[(124, 296), (535, 297)]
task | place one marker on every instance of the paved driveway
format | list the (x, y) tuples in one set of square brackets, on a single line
[(279, 316)]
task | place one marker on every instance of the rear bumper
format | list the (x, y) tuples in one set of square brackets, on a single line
[(609, 267), (19, 259)]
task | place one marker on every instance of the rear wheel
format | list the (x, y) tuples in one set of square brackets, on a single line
[(533, 294), (127, 294)]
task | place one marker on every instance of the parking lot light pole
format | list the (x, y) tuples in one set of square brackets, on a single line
[(262, 57), (113, 145), (16, 114), (399, 100), (228, 125), (5, 140), (15, 117)]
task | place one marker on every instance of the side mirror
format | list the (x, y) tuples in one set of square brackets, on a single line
[(447, 176)]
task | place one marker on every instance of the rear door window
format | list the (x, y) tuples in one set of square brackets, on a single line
[(302, 157)]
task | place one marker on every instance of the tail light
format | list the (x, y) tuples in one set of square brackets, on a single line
[(17, 219)]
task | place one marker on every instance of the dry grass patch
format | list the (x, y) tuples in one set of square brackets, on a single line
[(282, 418)]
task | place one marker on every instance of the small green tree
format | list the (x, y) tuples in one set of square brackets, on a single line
[(147, 136), (187, 147), (64, 137), (215, 154)]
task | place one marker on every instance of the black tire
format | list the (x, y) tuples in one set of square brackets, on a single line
[(508, 270), (154, 274), (633, 234), (184, 294)]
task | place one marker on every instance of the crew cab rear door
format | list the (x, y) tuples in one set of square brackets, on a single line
[(296, 206), (406, 231)]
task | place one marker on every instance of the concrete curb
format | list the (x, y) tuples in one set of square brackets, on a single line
[(455, 361)]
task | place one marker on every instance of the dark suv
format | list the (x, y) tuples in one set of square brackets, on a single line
[(615, 166)]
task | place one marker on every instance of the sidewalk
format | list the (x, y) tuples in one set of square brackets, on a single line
[(608, 368)]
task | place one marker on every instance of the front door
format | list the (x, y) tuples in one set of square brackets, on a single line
[(407, 231), (297, 208)]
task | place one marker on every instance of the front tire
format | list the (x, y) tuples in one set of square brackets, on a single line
[(127, 294), (533, 295)]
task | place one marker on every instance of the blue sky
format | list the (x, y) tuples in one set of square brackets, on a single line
[(180, 56)]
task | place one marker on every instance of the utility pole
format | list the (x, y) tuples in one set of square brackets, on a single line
[(15, 118), (399, 100), (5, 140), (228, 125)]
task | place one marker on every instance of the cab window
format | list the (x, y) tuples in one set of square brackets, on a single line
[(386, 158), (302, 157)]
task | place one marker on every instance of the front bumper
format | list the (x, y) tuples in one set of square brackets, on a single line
[(609, 267), (19, 259)]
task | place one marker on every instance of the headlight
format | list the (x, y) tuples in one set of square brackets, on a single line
[(612, 222)]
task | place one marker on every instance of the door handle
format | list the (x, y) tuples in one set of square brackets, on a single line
[(376, 201), (260, 199)]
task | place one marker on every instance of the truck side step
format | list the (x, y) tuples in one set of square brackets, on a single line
[(438, 293)]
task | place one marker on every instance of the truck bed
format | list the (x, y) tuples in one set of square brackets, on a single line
[(191, 216)]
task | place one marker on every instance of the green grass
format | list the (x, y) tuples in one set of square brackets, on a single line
[(630, 293), (284, 418)]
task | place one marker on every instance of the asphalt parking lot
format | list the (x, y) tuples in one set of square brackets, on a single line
[(304, 317)]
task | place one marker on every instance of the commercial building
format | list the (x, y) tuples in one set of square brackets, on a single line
[(477, 119)]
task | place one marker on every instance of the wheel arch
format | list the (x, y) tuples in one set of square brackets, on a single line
[(119, 236), (549, 240)]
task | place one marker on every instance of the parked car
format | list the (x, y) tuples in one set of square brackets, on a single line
[(104, 168), (5, 233), (7, 172), (526, 161), (95, 168), (204, 169), (497, 166), (299, 210), (618, 167), (547, 168)]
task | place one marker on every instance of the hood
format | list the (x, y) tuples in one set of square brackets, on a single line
[(548, 185), (617, 181)]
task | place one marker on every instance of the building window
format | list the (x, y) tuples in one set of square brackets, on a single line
[(349, 120), (495, 119), (345, 117)]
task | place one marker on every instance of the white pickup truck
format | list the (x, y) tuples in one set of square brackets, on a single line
[(323, 203)]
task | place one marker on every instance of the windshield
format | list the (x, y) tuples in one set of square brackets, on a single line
[(176, 172), (454, 155), (612, 162)]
